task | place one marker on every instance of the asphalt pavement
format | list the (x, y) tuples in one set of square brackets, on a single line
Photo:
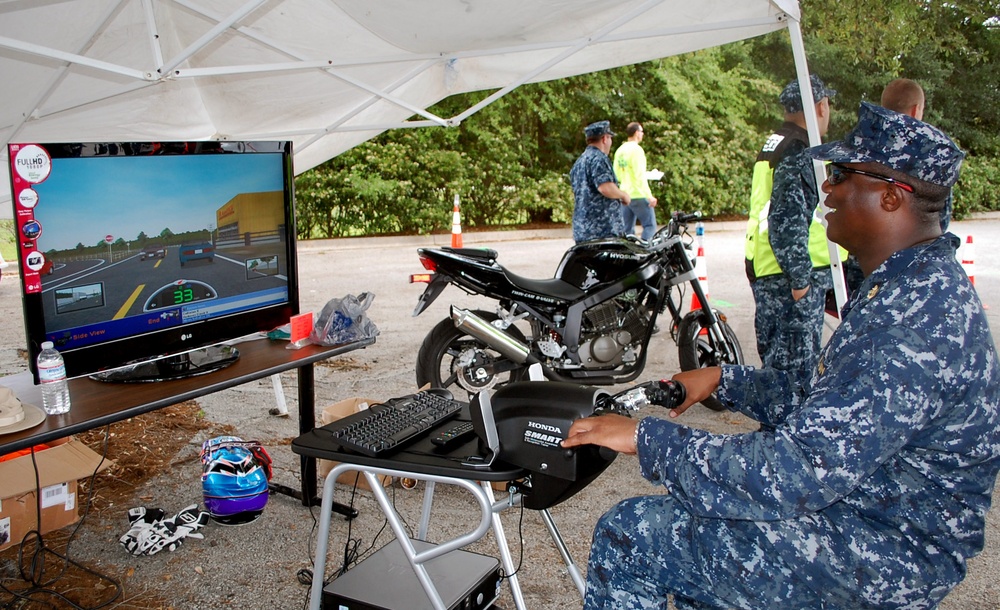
[(258, 565)]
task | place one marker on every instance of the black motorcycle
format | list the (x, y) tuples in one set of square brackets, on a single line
[(590, 324)]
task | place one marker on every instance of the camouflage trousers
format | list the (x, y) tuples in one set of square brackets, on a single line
[(789, 332), (647, 548)]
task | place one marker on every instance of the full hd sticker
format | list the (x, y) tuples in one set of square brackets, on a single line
[(32, 164)]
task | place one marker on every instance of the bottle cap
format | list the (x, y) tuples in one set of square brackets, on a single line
[(47, 345)]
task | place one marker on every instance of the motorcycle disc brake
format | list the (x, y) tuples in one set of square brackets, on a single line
[(475, 370)]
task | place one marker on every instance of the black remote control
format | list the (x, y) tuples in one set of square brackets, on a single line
[(452, 436)]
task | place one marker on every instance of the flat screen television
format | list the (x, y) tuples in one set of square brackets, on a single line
[(139, 260)]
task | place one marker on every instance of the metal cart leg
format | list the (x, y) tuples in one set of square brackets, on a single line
[(425, 516), (505, 558), (416, 559), (574, 572)]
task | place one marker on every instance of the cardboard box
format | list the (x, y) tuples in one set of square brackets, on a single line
[(331, 414), (59, 467)]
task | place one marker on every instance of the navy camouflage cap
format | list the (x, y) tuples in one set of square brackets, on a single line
[(791, 98), (598, 129), (899, 142)]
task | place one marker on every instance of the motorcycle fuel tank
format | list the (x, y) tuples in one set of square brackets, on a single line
[(601, 260)]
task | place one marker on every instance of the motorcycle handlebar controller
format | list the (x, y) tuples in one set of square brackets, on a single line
[(665, 393)]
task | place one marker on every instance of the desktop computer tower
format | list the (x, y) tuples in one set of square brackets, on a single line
[(386, 581)]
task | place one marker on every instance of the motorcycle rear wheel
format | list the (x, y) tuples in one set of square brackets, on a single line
[(696, 351), (450, 358)]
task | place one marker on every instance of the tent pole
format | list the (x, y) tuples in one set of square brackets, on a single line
[(819, 170), (210, 36)]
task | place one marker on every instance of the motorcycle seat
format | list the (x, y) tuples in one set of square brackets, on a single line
[(481, 253), (553, 287)]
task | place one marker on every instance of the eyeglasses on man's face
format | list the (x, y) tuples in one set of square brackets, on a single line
[(837, 173)]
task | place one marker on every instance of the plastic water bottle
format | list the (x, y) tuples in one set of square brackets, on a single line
[(52, 375)]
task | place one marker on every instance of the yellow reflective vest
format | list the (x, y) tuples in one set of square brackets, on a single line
[(630, 169), (760, 258)]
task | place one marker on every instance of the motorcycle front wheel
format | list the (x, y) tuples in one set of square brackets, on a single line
[(697, 350), (450, 358)]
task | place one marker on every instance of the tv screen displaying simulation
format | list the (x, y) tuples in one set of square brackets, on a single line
[(131, 251)]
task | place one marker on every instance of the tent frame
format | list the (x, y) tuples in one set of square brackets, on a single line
[(171, 69)]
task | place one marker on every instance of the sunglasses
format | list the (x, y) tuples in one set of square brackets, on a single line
[(838, 173)]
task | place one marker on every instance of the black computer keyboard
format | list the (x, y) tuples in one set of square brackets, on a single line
[(385, 428)]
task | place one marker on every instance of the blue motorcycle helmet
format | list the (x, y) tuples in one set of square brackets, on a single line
[(234, 477)]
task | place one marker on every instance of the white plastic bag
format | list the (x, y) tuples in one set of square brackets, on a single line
[(344, 320)]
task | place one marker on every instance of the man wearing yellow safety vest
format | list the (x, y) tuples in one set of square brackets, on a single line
[(630, 169), (787, 258)]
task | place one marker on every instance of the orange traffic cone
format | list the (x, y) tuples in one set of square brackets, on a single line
[(968, 260), (701, 270), (456, 227)]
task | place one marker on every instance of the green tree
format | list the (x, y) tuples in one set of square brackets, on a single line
[(950, 48), (704, 113)]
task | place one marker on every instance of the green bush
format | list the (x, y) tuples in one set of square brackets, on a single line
[(976, 190), (8, 247)]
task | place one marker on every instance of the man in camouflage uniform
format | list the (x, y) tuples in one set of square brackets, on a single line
[(598, 201), (787, 256), (871, 488)]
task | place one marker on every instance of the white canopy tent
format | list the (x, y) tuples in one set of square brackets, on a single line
[(325, 74)]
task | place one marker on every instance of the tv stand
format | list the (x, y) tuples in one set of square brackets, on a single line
[(188, 364), (97, 404)]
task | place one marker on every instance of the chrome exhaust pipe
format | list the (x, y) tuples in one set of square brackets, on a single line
[(479, 328)]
